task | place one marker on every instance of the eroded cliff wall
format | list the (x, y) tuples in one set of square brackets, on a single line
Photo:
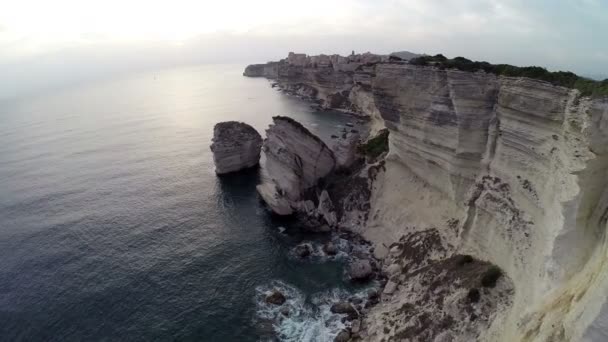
[(510, 170)]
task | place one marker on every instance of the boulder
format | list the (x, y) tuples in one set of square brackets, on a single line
[(343, 308), (275, 297), (343, 336), (390, 287), (360, 270), (330, 249), (303, 250), (393, 269), (236, 146)]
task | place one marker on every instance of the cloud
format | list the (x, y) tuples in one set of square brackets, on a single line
[(99, 37)]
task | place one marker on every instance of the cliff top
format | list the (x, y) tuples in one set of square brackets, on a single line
[(586, 86)]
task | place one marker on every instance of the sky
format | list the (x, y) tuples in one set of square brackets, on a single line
[(45, 43)]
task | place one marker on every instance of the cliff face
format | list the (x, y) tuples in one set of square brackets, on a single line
[(295, 159), (510, 170), (236, 146)]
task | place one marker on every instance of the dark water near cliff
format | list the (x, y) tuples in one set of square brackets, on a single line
[(113, 225)]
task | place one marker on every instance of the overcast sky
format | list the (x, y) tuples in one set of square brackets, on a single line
[(44, 42)]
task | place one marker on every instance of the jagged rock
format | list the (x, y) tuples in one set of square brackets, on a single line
[(295, 160), (303, 250), (330, 249), (275, 297), (360, 270), (307, 207), (313, 225), (345, 148), (343, 336), (236, 146), (326, 209), (390, 287), (285, 311)]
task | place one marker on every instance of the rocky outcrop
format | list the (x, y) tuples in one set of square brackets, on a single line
[(275, 297), (235, 146), (268, 70), (295, 161), (512, 171), (345, 147)]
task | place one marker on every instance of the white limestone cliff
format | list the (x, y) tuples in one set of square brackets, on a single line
[(235, 146), (295, 161), (512, 171)]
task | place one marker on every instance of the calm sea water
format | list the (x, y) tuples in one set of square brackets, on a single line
[(114, 226)]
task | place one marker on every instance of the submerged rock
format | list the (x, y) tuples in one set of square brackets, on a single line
[(236, 146), (330, 249), (360, 270), (275, 297), (303, 250), (265, 329)]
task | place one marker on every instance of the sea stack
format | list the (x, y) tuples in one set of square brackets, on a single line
[(295, 160), (236, 146)]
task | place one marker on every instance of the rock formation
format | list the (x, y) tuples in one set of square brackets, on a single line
[(511, 171), (235, 146), (295, 161), (268, 70)]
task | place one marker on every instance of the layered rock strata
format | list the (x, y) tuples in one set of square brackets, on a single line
[(295, 161), (236, 146), (512, 171)]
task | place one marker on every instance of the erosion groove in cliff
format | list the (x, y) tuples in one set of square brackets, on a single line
[(510, 170)]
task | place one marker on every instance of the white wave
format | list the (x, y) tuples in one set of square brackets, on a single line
[(308, 320)]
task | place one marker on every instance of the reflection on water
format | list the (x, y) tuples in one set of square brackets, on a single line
[(113, 224)]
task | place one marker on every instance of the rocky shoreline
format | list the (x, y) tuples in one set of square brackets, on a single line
[(327, 190), (495, 176)]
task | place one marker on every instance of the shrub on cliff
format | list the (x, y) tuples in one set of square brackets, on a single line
[(587, 87), (375, 146), (491, 276)]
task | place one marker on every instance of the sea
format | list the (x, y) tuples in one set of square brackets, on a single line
[(115, 227)]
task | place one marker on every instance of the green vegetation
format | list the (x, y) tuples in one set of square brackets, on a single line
[(474, 295), (464, 259), (587, 87), (490, 277), (375, 146)]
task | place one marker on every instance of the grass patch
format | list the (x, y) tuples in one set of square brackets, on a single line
[(586, 86), (375, 146)]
